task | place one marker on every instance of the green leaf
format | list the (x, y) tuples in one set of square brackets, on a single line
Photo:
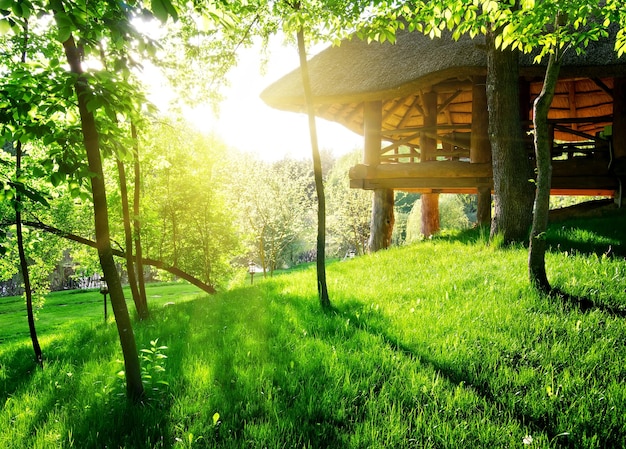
[(159, 9), (5, 27)]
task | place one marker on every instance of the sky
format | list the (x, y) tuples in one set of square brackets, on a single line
[(246, 123)]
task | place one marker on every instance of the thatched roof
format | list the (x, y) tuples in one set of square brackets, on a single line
[(344, 77)]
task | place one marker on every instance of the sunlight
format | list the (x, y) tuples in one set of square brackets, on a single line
[(246, 123)]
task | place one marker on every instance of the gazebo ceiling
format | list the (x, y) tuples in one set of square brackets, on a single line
[(345, 77)]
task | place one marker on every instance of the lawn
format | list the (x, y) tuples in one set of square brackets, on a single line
[(441, 344)]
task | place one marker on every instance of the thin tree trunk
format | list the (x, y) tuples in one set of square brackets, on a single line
[(134, 387), (142, 311), (322, 288), (136, 222), (20, 235), (511, 166), (23, 261), (543, 145)]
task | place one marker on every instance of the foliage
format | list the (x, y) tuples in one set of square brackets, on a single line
[(186, 220), (349, 210), (275, 208), (456, 350), (452, 215)]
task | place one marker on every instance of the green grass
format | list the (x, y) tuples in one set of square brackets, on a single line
[(437, 345)]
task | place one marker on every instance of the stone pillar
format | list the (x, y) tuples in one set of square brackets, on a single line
[(381, 225), (480, 147), (428, 149)]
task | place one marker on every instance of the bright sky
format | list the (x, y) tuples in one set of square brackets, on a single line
[(248, 124)]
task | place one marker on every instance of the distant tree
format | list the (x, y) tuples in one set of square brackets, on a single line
[(185, 219), (349, 210), (274, 204)]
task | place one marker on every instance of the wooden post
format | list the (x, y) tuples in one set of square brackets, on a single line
[(619, 134), (428, 149), (480, 148), (381, 225), (430, 220), (619, 118), (372, 126)]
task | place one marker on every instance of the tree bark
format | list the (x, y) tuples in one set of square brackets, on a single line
[(142, 311), (543, 145), (136, 221), (512, 169), (134, 386), (23, 261), (322, 287)]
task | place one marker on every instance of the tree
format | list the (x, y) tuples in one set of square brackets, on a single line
[(349, 209), (185, 219), (274, 205)]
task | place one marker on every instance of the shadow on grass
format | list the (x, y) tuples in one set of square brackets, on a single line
[(586, 305)]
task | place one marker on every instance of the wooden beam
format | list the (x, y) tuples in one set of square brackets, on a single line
[(393, 109), (598, 82), (448, 100)]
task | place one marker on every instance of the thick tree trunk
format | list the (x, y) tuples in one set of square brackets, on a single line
[(134, 387), (23, 261), (136, 221), (142, 311), (543, 145), (322, 288), (512, 169), (381, 227)]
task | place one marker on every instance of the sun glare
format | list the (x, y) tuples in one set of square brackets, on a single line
[(246, 123)]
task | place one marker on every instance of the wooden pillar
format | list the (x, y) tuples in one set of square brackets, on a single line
[(372, 126), (428, 149), (381, 225), (619, 118), (619, 135), (480, 147)]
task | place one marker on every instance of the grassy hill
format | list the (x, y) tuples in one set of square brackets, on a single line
[(437, 345)]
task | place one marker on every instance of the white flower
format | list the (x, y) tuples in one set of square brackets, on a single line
[(527, 440)]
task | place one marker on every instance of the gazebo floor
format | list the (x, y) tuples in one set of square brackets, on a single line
[(578, 176)]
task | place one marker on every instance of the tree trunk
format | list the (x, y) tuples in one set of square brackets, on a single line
[(136, 222), (543, 145), (142, 311), (511, 166), (23, 262), (322, 288), (134, 387)]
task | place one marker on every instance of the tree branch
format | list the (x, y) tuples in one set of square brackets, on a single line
[(116, 252)]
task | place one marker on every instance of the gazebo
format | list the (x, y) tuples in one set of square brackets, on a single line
[(421, 106)]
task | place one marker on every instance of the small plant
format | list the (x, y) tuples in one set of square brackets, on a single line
[(153, 367)]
